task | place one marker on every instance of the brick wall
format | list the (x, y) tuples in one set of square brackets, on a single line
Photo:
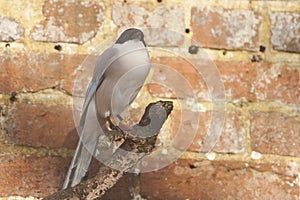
[(254, 44)]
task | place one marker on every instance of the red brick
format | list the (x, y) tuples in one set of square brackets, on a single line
[(161, 30), (188, 127), (225, 29), (232, 139), (245, 81), (275, 133), (191, 128), (285, 31), (22, 175), (260, 82), (192, 180), (277, 82), (70, 21), (33, 72), (176, 78), (237, 78), (41, 125), (78, 73)]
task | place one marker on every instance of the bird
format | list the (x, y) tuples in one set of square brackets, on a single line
[(118, 76)]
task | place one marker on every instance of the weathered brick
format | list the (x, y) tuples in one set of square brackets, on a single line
[(10, 29), (277, 82), (187, 128), (24, 175), (285, 29), (33, 72), (176, 78), (187, 179), (275, 133), (161, 29), (78, 73), (226, 29), (237, 78), (69, 21), (242, 80), (191, 128), (41, 125), (232, 139), (258, 82)]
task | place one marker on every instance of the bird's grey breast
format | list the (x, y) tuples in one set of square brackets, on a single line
[(123, 79)]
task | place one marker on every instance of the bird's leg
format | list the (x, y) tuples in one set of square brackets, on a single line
[(110, 124), (115, 133), (125, 124)]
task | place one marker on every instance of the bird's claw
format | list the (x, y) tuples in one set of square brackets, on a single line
[(126, 125), (110, 125)]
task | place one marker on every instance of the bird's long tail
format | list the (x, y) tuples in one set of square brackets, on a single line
[(85, 149)]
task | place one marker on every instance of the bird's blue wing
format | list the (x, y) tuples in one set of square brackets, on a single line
[(104, 61), (102, 64), (88, 129), (88, 138)]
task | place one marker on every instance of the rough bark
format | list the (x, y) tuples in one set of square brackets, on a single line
[(140, 141)]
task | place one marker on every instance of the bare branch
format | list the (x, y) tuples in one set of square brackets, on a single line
[(140, 140)]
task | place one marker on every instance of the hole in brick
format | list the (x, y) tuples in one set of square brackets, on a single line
[(125, 1), (13, 96), (262, 48), (187, 30), (224, 53), (7, 45), (58, 47), (159, 1), (193, 49), (192, 166), (256, 58), (55, 87)]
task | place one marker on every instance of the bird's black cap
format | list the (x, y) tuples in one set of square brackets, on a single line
[(131, 34)]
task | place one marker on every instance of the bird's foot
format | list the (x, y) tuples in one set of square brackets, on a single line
[(110, 125), (126, 125)]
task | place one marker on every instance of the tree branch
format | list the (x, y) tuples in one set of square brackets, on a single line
[(140, 141)]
